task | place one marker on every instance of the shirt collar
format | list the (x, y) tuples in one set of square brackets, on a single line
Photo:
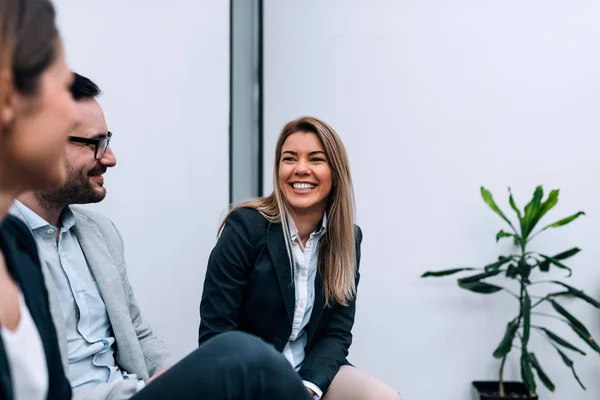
[(36, 222), (294, 230), (67, 218)]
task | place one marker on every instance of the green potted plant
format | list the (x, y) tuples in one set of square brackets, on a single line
[(522, 266)]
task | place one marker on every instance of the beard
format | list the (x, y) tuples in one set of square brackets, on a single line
[(77, 190)]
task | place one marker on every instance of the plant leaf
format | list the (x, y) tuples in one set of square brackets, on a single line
[(513, 205), (501, 261), (503, 234), (544, 378), (561, 294), (580, 294), (577, 326), (480, 287), (560, 341), (577, 378), (566, 254), (505, 345), (478, 277), (562, 311), (526, 310), (445, 272), (556, 263), (524, 268), (531, 212), (489, 199), (564, 221), (546, 206), (544, 265), (527, 373), (512, 271), (583, 334), (569, 363)]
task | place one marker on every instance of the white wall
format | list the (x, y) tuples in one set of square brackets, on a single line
[(164, 70), (433, 99)]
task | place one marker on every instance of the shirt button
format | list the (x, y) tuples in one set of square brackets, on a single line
[(50, 231)]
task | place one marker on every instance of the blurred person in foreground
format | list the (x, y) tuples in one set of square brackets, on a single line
[(37, 113)]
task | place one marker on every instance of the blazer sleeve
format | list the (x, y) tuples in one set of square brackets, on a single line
[(331, 348), (226, 277)]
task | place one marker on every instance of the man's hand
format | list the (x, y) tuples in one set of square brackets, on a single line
[(156, 375)]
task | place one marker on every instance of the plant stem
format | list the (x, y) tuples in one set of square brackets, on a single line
[(539, 302), (541, 314), (538, 282), (523, 283), (513, 294), (533, 236), (539, 331), (501, 389)]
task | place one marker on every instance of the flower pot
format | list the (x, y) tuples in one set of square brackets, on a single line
[(489, 391)]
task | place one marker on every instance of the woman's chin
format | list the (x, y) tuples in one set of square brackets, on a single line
[(306, 206)]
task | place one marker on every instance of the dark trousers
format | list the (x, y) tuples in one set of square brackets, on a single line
[(230, 366)]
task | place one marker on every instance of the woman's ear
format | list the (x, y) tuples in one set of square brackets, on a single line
[(7, 100)]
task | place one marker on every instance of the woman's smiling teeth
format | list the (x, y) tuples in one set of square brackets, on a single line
[(303, 186)]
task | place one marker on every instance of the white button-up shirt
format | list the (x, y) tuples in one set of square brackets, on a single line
[(91, 344), (305, 262)]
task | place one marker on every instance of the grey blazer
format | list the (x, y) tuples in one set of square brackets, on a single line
[(138, 350)]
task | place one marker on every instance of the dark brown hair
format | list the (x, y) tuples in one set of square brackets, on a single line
[(28, 41), (84, 88)]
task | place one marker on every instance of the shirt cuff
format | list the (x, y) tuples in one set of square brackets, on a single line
[(140, 385), (314, 388)]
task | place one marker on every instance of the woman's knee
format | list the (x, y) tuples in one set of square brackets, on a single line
[(351, 383)]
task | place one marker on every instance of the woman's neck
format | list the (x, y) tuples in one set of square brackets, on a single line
[(7, 198), (307, 223)]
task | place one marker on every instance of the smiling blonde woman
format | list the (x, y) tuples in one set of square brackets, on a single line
[(285, 267)]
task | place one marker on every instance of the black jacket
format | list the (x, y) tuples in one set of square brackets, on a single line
[(20, 253), (249, 287)]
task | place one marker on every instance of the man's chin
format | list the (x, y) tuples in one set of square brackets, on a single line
[(96, 193), (100, 192)]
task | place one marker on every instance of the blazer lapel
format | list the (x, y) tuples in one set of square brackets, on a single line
[(55, 308), (281, 261), (110, 284)]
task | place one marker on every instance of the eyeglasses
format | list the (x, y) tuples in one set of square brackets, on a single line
[(100, 144)]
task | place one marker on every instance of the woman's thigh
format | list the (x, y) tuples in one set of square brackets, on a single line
[(353, 384)]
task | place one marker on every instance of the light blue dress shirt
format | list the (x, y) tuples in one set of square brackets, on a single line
[(305, 262), (90, 341)]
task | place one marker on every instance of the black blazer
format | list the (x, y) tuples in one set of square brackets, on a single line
[(20, 252), (249, 287)]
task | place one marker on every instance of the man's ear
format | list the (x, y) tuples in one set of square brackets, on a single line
[(7, 100)]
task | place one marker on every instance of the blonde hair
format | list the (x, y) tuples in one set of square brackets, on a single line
[(337, 252)]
